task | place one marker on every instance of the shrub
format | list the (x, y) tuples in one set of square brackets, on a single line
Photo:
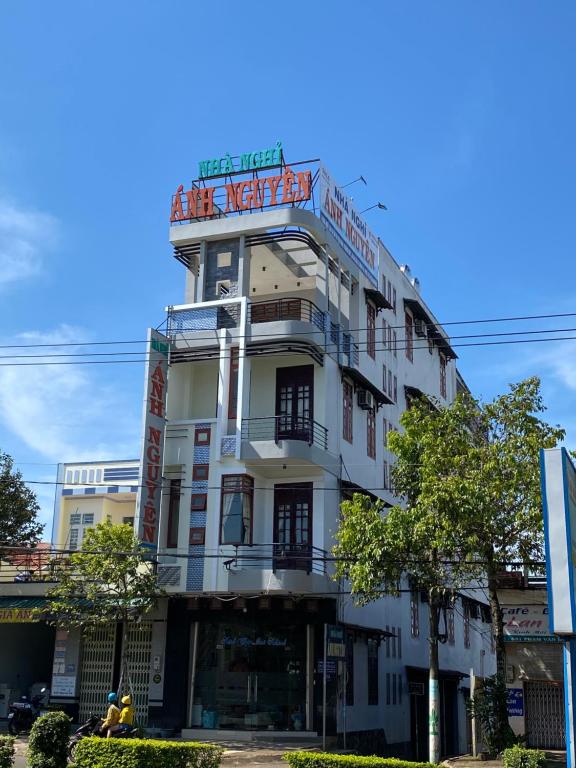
[(520, 757), (143, 753), (48, 743), (325, 760), (6, 751), (489, 708)]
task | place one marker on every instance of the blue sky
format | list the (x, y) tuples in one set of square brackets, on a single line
[(460, 115)]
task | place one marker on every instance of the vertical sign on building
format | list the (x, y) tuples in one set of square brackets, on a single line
[(341, 218), (153, 426)]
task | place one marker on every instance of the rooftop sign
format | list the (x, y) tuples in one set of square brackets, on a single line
[(249, 161), (341, 218)]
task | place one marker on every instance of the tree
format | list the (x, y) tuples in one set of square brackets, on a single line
[(19, 526), (377, 548), (109, 580)]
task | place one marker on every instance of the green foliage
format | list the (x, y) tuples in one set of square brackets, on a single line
[(108, 580), (6, 751), (143, 753), (326, 760), (520, 757), (19, 509), (486, 706), (48, 743)]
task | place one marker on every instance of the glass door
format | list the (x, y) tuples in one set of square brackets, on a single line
[(295, 403), (293, 526)]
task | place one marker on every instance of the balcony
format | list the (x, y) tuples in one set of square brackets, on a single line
[(277, 428), (277, 557), (292, 308)]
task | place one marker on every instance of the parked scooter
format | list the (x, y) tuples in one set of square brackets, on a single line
[(23, 713), (92, 727)]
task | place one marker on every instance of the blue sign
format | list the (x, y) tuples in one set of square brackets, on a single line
[(515, 702)]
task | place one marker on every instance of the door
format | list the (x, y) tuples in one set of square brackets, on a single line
[(544, 702), (293, 526), (295, 403)]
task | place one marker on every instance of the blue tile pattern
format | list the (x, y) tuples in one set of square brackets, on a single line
[(195, 573)]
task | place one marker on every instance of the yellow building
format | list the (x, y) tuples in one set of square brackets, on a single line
[(89, 493)]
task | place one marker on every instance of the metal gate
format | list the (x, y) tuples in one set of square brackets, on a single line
[(544, 704), (97, 669), (138, 656)]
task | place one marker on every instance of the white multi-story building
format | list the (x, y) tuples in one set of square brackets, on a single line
[(299, 344)]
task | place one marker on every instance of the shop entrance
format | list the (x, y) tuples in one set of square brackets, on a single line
[(250, 677)]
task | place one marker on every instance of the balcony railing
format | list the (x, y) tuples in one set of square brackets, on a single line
[(286, 309), (278, 428), (276, 557), (210, 318)]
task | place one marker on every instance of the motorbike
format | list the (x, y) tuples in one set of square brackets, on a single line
[(23, 713), (92, 727)]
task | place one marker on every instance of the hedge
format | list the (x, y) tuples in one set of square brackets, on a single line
[(6, 751), (96, 752), (48, 742), (326, 760), (520, 757)]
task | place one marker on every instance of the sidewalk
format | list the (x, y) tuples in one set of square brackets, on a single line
[(555, 758)]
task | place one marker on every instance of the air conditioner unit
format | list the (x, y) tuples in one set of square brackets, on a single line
[(365, 399), (419, 327)]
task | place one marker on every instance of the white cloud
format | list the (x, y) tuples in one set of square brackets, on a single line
[(66, 412), (24, 235)]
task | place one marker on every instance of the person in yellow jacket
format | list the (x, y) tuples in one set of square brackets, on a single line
[(113, 715), (126, 720)]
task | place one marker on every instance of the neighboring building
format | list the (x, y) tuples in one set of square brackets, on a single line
[(534, 663), (89, 493)]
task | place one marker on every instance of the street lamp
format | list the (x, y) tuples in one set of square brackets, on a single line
[(376, 205)]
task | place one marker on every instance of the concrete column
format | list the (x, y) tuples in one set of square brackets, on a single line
[(243, 268), (200, 279)]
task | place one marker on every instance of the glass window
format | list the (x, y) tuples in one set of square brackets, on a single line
[(450, 625), (371, 330), (399, 634), (466, 625), (409, 334), (88, 519), (173, 514), (372, 671), (91, 476), (73, 538), (384, 379), (98, 475), (400, 688), (68, 476), (75, 518), (384, 334), (236, 509), (394, 688), (84, 476), (128, 521), (387, 687), (77, 477), (371, 433), (348, 404)]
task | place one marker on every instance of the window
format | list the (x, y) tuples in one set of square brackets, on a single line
[(84, 476), (73, 538), (450, 625), (233, 390), (389, 390), (68, 477), (399, 634), (224, 259), (75, 518), (384, 379), (98, 475), (349, 669), (202, 436), (389, 293), (128, 521), (371, 330), (387, 641), (88, 519), (348, 402), (372, 671), (76, 477), (414, 614), (442, 375), (385, 434), (409, 334), (393, 643), (466, 625), (173, 513), (197, 536), (236, 509), (91, 476), (387, 687), (394, 300), (400, 689), (394, 396), (384, 334), (200, 472), (394, 689), (371, 433), (198, 502), (395, 344)]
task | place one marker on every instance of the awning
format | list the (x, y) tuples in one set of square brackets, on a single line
[(361, 381), (413, 393), (419, 311), (347, 485), (444, 674), (377, 298), (20, 610), (369, 631)]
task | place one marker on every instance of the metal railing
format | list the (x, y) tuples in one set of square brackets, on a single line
[(278, 428), (210, 318), (291, 308), (276, 557)]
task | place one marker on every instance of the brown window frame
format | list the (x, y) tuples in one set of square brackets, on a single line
[(200, 472), (347, 411), (198, 502), (202, 431), (409, 336), (197, 536), (371, 330), (371, 433), (237, 484), (173, 514)]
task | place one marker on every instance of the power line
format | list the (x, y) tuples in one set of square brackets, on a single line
[(517, 318)]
